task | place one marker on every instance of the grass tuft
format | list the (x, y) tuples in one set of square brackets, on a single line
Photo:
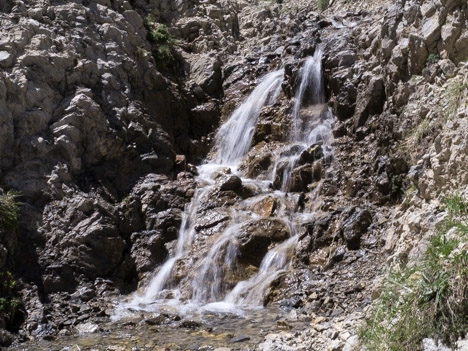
[(323, 4)]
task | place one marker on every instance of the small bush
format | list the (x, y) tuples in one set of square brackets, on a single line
[(9, 206), (159, 35), (428, 300)]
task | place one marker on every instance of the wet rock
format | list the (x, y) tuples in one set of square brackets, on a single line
[(156, 320), (190, 324), (293, 302), (301, 177), (268, 131), (256, 236), (210, 220), (258, 164), (87, 328), (314, 153), (232, 182), (265, 207), (167, 222)]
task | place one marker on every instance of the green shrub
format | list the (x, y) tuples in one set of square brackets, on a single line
[(9, 206), (158, 34), (163, 57), (427, 300)]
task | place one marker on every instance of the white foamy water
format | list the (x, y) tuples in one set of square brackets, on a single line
[(234, 137)]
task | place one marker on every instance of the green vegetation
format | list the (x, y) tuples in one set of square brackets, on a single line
[(432, 58), (456, 205), (7, 284), (159, 35), (9, 206), (323, 4), (427, 300)]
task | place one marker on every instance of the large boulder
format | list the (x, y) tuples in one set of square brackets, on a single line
[(256, 237)]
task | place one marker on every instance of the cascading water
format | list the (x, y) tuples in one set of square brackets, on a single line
[(312, 119), (234, 137), (209, 287)]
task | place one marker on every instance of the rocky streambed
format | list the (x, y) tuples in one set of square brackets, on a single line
[(203, 331)]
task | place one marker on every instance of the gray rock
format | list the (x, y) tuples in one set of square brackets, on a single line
[(355, 225), (431, 29), (371, 99), (206, 73)]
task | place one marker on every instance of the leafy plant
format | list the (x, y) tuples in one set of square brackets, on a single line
[(141, 52), (456, 205), (163, 56), (158, 33), (408, 193), (9, 206)]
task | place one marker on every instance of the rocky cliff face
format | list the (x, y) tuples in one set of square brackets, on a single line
[(104, 105)]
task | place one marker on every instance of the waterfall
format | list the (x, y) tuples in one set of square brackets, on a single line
[(312, 119), (232, 142), (311, 124), (234, 137)]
